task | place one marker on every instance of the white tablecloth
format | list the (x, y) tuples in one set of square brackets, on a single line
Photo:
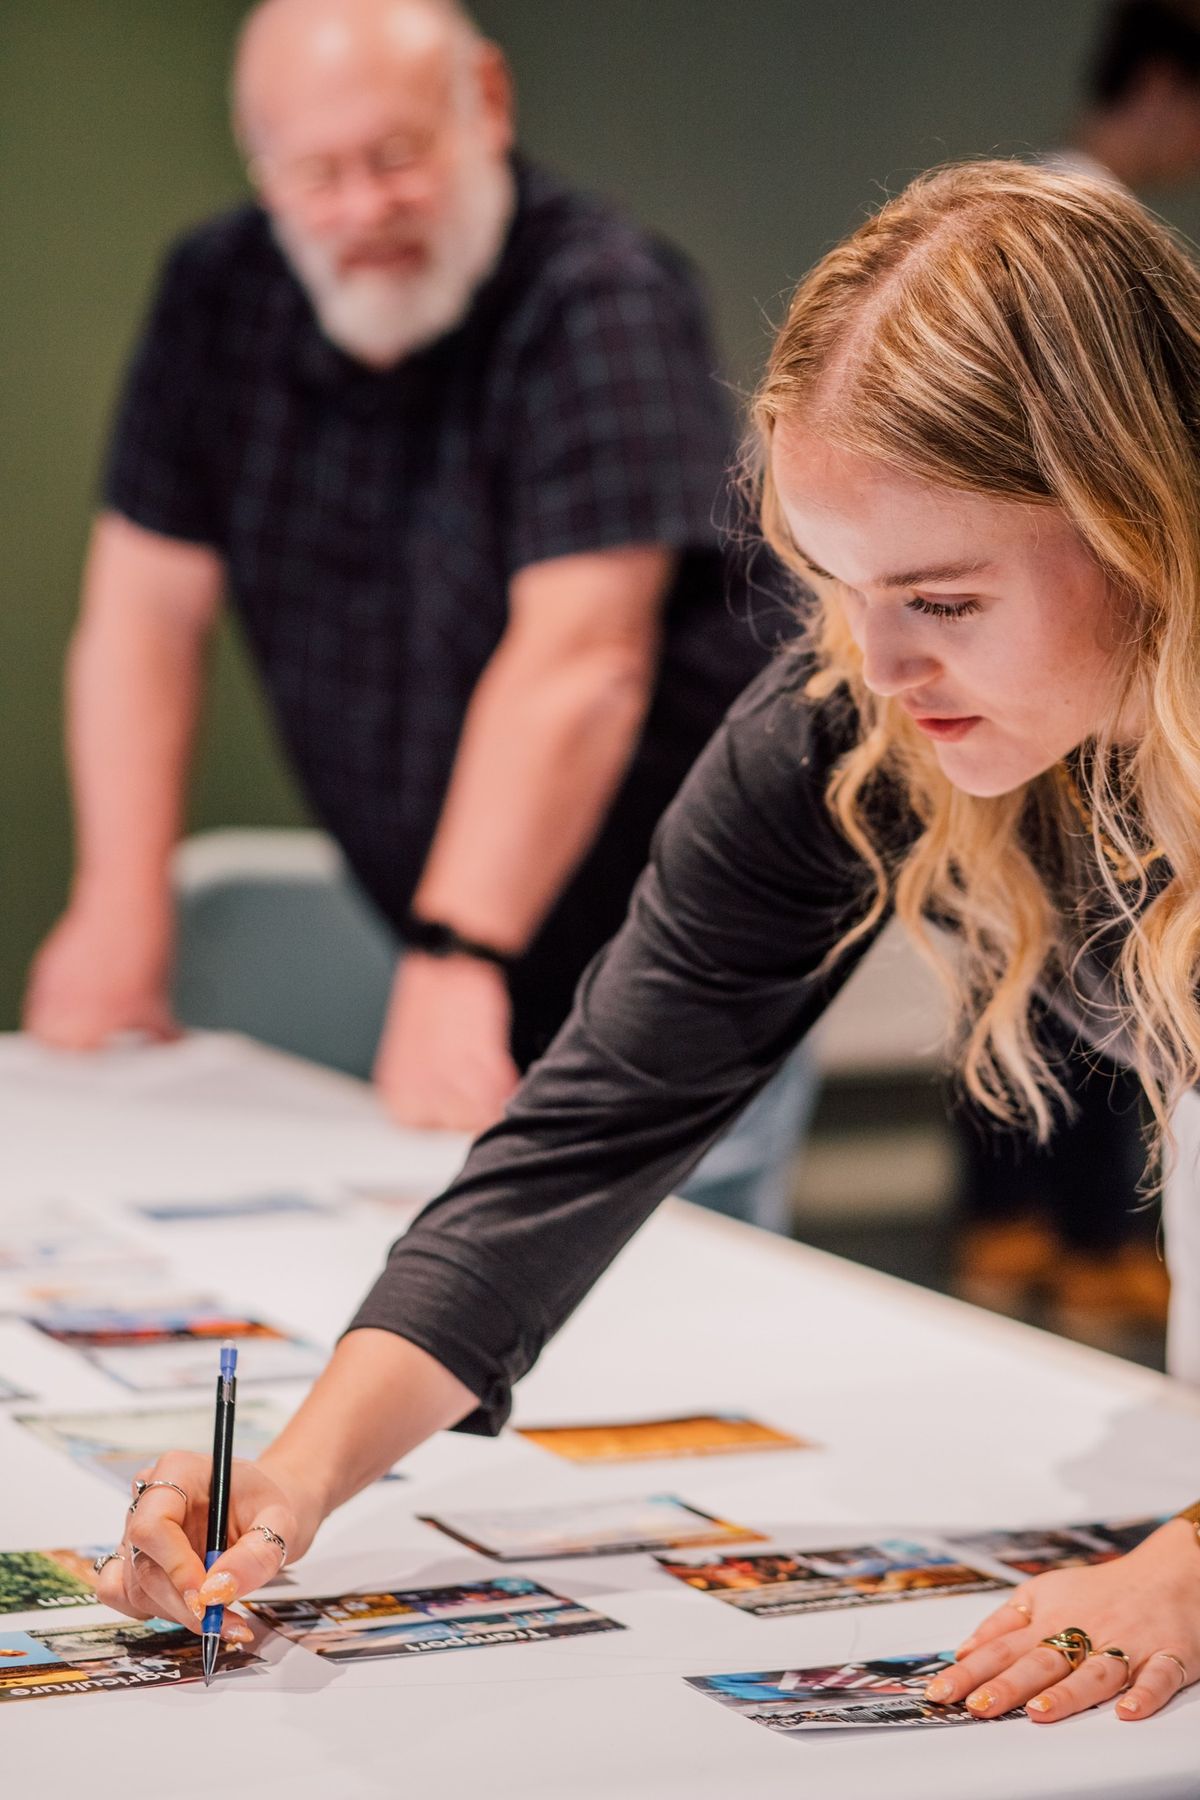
[(931, 1416)]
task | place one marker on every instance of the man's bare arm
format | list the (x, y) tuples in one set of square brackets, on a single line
[(135, 677), (549, 733)]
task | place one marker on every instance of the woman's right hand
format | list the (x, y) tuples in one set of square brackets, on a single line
[(160, 1572)]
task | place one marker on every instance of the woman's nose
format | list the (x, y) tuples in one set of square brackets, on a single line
[(892, 663)]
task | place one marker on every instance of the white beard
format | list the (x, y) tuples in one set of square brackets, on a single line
[(379, 317)]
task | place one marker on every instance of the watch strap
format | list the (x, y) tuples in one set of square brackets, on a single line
[(433, 937)]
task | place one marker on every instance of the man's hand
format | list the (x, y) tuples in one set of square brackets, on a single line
[(443, 1060), (102, 971)]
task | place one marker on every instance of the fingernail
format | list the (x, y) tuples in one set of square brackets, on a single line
[(218, 1590), (1040, 1705), (1129, 1706), (194, 1602), (939, 1689), (966, 1647), (236, 1633), (981, 1701)]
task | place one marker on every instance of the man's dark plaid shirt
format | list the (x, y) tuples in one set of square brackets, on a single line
[(371, 522)]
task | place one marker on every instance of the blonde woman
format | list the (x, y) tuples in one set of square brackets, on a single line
[(980, 436)]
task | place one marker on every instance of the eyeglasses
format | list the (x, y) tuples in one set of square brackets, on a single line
[(316, 179)]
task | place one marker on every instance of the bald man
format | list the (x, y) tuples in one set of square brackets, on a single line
[(447, 436)]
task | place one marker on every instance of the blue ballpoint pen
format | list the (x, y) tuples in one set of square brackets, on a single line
[(218, 1500)]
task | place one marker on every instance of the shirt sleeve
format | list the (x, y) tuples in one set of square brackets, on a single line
[(155, 474), (715, 975), (621, 433)]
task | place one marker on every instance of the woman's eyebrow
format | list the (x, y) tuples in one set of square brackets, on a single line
[(906, 578)]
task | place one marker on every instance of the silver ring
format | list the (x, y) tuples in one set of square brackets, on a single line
[(142, 1488), (105, 1557), (272, 1537)]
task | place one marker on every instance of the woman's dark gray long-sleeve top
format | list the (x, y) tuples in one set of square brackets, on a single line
[(713, 978)]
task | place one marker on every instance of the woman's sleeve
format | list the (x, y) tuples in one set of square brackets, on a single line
[(694, 1004)]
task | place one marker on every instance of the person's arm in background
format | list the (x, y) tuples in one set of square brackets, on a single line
[(135, 677), (549, 733), (615, 447)]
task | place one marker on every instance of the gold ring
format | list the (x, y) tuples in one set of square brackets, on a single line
[(1171, 1657), (1111, 1650), (1072, 1643)]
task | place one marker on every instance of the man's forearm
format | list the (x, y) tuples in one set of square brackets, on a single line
[(134, 690), (541, 755)]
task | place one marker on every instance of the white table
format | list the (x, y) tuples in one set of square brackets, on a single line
[(932, 1416)]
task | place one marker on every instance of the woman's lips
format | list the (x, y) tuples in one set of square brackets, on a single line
[(947, 731)]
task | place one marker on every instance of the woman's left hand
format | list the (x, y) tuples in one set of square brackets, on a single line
[(1146, 1603)]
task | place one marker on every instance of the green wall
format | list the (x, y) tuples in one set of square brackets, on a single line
[(753, 131)]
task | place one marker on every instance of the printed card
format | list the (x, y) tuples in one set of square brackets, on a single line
[(1059, 1547), (358, 1627), (115, 1445), (174, 1345), (850, 1696), (774, 1583), (589, 1528), (700, 1434), (221, 1208), (31, 1580), (94, 1659)]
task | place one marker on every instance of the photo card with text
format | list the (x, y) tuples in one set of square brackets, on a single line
[(96, 1659), (47, 1580), (850, 1696), (507, 1609), (775, 1583)]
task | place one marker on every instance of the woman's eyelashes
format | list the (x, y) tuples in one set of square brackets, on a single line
[(936, 609)]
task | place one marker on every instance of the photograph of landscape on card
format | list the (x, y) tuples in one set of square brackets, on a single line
[(353, 1627), (117, 1444), (589, 1528), (1056, 1547), (850, 1696), (36, 1579), (96, 1659), (773, 1583), (699, 1434), (175, 1345)]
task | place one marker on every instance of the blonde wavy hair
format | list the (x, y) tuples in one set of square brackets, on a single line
[(1034, 336)]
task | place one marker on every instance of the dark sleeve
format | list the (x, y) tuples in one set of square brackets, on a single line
[(155, 473), (694, 1004), (620, 433)]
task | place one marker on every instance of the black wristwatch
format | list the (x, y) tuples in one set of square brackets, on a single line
[(433, 938)]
